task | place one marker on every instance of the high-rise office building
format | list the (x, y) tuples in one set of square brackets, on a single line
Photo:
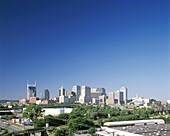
[(101, 90), (46, 94), (62, 95), (111, 98), (119, 97), (77, 90), (85, 96), (71, 96), (124, 90), (31, 90), (61, 91)]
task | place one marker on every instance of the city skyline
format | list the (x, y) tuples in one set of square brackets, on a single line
[(99, 44)]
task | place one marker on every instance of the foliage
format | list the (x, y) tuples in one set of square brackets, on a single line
[(167, 120), (32, 112), (10, 117), (60, 132), (100, 122), (91, 131), (63, 116), (152, 100), (1, 106), (40, 123), (54, 121), (80, 123), (4, 132)]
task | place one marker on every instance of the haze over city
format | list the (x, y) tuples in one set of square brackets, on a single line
[(99, 44)]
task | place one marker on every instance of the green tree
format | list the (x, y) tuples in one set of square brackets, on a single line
[(91, 131), (32, 112), (63, 116), (54, 121), (60, 132), (12, 117), (40, 123), (80, 123)]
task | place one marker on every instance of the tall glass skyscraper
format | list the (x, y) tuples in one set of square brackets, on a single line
[(31, 90), (46, 94)]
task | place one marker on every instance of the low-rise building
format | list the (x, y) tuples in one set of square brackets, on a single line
[(134, 128), (139, 101), (23, 101), (33, 100), (56, 111)]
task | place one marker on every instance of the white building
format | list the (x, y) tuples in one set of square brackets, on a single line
[(85, 96), (56, 111), (110, 128), (135, 122), (118, 97), (95, 100), (139, 101), (114, 132), (168, 101), (62, 97), (102, 99)]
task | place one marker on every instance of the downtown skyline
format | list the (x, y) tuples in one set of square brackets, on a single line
[(99, 44)]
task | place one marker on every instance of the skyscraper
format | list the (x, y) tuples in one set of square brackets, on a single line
[(111, 98), (101, 90), (124, 90), (62, 95), (77, 90), (46, 94), (85, 96), (31, 90), (61, 91)]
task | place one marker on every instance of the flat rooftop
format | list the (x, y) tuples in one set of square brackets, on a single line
[(147, 130)]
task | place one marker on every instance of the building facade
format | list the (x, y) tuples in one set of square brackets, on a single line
[(85, 96), (46, 94), (61, 91), (118, 97), (124, 90), (77, 90), (31, 90)]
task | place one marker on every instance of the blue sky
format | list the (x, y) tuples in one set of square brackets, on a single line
[(96, 43)]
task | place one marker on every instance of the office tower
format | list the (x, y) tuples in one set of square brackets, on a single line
[(85, 96), (101, 90), (117, 97), (96, 93), (77, 90), (124, 90), (46, 94), (111, 98), (93, 90), (31, 90), (71, 96), (62, 97), (102, 99), (61, 91), (41, 96)]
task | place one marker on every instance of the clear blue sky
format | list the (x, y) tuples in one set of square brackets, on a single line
[(99, 43)]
